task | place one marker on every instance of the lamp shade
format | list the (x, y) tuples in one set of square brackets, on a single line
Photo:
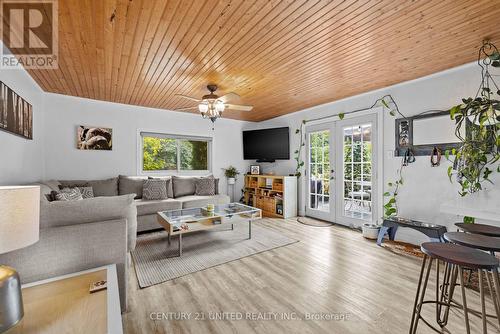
[(19, 217)]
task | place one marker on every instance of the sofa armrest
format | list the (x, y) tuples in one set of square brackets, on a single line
[(64, 213), (73, 248)]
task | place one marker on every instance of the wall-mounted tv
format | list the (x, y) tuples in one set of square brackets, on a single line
[(266, 145)]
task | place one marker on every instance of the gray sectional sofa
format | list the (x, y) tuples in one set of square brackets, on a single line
[(88, 233), (181, 193)]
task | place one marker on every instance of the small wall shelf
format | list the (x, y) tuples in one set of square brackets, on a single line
[(275, 195)]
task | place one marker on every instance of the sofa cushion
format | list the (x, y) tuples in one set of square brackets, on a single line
[(183, 186), (90, 210), (194, 201), (131, 185), (108, 187), (45, 192), (154, 189), (52, 184), (145, 207)]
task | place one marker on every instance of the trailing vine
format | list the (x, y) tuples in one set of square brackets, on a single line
[(390, 208), (475, 160), (384, 102)]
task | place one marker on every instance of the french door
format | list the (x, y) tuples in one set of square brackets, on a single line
[(341, 170), (319, 172)]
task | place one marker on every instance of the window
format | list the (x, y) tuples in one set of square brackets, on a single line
[(171, 153)]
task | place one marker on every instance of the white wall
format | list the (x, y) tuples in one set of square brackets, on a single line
[(21, 160), (425, 187), (64, 113)]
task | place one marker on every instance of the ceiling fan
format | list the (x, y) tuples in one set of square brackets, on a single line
[(211, 105)]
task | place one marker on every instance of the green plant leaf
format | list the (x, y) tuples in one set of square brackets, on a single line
[(384, 103), (392, 113), (495, 56), (469, 220), (297, 131), (450, 169), (387, 193), (496, 63), (341, 116), (454, 110)]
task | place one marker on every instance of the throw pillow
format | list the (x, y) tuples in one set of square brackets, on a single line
[(168, 179), (87, 192), (154, 189), (205, 187), (73, 194)]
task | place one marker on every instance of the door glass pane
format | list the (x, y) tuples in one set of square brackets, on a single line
[(357, 171), (319, 170)]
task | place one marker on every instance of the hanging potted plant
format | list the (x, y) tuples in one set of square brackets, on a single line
[(478, 154), (231, 172)]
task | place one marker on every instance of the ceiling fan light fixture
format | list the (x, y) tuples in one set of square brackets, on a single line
[(203, 107), (219, 106), (212, 106)]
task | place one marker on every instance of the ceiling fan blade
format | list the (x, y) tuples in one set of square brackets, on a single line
[(229, 96), (187, 108), (188, 97), (238, 107)]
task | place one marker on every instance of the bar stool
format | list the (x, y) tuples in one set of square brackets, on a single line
[(478, 241), (483, 229), (457, 257), (484, 243)]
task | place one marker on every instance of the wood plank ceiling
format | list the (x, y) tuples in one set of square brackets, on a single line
[(280, 56)]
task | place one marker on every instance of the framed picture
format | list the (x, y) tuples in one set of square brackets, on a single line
[(93, 138), (16, 114), (255, 169)]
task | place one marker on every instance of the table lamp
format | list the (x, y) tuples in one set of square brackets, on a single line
[(19, 227)]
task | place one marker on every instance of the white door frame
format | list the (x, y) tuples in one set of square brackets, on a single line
[(376, 117), (323, 215)]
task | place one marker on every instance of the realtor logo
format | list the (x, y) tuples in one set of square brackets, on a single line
[(29, 30)]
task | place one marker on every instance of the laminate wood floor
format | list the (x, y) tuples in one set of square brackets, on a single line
[(332, 271)]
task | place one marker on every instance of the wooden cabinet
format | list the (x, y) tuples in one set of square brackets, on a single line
[(275, 195)]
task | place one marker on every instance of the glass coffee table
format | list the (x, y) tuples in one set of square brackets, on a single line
[(179, 222)]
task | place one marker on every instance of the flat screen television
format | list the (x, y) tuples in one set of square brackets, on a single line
[(266, 145)]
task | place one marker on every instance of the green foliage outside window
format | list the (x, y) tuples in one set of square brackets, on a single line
[(194, 155), (161, 154)]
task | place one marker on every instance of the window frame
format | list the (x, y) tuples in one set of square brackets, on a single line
[(178, 138)]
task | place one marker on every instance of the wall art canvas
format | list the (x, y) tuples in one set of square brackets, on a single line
[(16, 114), (94, 138)]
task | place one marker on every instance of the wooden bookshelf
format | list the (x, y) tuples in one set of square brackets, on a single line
[(275, 195)]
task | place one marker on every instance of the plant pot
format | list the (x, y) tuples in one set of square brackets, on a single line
[(231, 180), (370, 231)]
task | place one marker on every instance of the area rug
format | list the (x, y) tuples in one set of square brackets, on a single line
[(156, 262), (314, 222)]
